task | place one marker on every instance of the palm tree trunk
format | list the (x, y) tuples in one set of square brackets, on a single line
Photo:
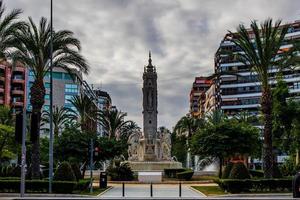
[(37, 92), (56, 132), (220, 167), (266, 106)]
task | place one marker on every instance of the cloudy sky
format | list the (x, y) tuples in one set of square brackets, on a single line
[(183, 36)]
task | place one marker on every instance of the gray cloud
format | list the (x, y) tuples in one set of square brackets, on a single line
[(182, 34)]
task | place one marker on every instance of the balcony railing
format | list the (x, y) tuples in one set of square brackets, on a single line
[(17, 103), (17, 91)]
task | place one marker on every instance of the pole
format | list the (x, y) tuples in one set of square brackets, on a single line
[(123, 189), (91, 166), (51, 101), (179, 189), (23, 157), (151, 190)]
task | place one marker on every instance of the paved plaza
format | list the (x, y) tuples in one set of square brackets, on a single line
[(159, 190)]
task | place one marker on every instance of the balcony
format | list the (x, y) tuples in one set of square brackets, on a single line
[(19, 69), (17, 103), (21, 81), (18, 91)]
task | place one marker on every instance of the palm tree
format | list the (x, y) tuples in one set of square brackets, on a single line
[(6, 116), (128, 129), (33, 51), (85, 111), (60, 117), (262, 53), (187, 126), (113, 121), (215, 117), (9, 26)]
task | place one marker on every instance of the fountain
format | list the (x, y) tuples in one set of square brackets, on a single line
[(150, 150)]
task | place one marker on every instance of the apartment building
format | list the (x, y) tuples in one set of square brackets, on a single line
[(104, 103), (65, 87), (242, 92), (197, 95), (13, 86)]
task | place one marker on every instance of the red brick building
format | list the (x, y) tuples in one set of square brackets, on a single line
[(13, 86)]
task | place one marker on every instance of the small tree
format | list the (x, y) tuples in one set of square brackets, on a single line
[(225, 139), (64, 172), (239, 171)]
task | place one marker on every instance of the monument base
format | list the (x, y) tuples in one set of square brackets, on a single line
[(153, 165)]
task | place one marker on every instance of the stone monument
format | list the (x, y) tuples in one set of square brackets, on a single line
[(150, 150)]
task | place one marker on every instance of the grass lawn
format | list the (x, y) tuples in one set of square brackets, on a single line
[(204, 178), (96, 191), (210, 190)]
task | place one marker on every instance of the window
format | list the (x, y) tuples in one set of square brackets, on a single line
[(46, 107), (30, 84), (68, 98), (47, 85), (47, 97), (71, 88), (57, 75), (31, 73), (68, 76)]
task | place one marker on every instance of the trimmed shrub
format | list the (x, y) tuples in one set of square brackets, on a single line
[(239, 171), (82, 185), (256, 185), (121, 172), (276, 172), (40, 186), (64, 172), (171, 173), (256, 173), (227, 170), (186, 175), (76, 170)]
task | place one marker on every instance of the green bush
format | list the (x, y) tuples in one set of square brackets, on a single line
[(76, 170), (64, 172), (239, 171), (227, 170), (255, 185), (40, 186), (186, 175), (256, 173), (82, 185), (121, 172), (276, 172), (171, 173)]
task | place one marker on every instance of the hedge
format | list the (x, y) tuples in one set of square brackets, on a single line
[(41, 186), (255, 185), (186, 175), (171, 173), (256, 173)]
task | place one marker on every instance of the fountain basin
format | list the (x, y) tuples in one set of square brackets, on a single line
[(153, 165)]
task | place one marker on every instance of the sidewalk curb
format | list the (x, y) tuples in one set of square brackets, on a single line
[(195, 190), (110, 187)]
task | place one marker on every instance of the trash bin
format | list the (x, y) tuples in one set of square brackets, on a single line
[(296, 185), (103, 180)]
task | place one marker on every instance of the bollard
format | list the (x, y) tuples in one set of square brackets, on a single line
[(123, 189), (179, 189), (296, 185), (151, 190)]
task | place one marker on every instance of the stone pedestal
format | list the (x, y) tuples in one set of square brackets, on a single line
[(154, 166), (150, 177)]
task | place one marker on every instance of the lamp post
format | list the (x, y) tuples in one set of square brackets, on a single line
[(51, 101), (23, 156)]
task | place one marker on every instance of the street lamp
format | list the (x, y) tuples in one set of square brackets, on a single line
[(51, 101)]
